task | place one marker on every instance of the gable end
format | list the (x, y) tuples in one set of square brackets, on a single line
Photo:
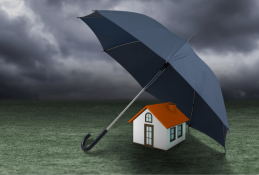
[(140, 112)]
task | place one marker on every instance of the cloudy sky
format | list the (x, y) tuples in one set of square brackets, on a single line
[(47, 53)]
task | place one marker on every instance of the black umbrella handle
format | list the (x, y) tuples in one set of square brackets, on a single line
[(94, 142)]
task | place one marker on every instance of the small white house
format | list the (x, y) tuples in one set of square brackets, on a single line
[(159, 126)]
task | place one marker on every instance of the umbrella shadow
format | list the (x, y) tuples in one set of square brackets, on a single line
[(190, 156)]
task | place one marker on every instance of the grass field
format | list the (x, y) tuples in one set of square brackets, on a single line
[(44, 137)]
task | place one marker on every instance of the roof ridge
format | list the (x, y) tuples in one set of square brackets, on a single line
[(158, 104)]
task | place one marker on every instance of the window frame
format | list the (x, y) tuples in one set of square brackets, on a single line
[(181, 130), (171, 134), (146, 117)]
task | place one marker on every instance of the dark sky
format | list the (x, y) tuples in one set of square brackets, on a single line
[(47, 53)]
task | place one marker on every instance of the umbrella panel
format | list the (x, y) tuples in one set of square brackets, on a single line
[(141, 62), (206, 121), (109, 34)]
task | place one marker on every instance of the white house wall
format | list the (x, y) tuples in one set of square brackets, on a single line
[(160, 132), (138, 128), (177, 140)]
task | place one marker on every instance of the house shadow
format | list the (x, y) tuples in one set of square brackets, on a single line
[(189, 157)]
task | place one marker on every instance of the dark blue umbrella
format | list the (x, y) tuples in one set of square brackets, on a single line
[(147, 50)]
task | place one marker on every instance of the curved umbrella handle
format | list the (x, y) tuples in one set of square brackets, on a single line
[(94, 142)]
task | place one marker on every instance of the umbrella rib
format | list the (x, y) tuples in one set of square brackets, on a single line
[(189, 40), (224, 138), (121, 45), (192, 110)]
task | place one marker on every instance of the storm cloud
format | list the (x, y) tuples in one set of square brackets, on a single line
[(47, 53)]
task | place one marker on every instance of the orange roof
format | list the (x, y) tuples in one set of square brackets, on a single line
[(164, 113)]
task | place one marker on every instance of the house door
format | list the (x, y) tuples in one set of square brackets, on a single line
[(149, 135)]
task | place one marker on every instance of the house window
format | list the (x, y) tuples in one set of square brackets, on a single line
[(172, 134), (148, 117), (180, 130)]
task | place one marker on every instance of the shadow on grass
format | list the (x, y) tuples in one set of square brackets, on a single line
[(191, 156)]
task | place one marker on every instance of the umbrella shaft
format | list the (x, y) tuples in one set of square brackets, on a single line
[(126, 108), (157, 75), (145, 88)]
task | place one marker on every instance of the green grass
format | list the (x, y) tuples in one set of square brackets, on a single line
[(44, 137)]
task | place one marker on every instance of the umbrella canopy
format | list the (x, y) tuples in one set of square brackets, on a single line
[(142, 46)]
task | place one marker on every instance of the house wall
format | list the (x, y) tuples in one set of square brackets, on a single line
[(177, 140), (160, 132)]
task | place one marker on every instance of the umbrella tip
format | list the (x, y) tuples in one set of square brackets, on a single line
[(191, 37)]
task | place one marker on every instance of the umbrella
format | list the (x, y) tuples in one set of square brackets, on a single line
[(147, 50)]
